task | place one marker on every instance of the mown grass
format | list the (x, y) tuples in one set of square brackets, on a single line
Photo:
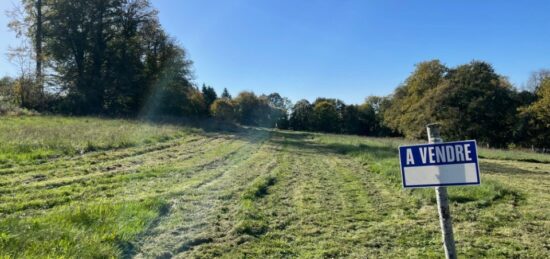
[(514, 155), (96, 203), (166, 190), (88, 230), (380, 156), (34, 138), (251, 220), (511, 196)]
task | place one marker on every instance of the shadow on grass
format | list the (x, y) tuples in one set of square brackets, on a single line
[(207, 125), (129, 248), (304, 142), (497, 168)]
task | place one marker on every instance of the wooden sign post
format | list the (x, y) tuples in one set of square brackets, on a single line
[(440, 164), (443, 202)]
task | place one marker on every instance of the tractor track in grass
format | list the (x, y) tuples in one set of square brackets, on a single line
[(180, 162), (97, 158), (323, 204), (108, 167), (99, 155), (202, 214), (313, 190)]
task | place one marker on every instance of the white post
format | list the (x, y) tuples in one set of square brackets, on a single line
[(443, 202)]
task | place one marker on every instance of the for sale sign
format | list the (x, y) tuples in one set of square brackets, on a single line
[(439, 164)]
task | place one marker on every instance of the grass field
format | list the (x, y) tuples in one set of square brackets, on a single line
[(88, 187)]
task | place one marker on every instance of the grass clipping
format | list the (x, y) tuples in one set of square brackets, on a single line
[(251, 220), (98, 230)]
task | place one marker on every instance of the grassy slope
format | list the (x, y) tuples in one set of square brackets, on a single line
[(101, 188)]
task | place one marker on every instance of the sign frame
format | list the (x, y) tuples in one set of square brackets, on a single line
[(409, 186)]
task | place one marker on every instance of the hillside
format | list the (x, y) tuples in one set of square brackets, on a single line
[(100, 188)]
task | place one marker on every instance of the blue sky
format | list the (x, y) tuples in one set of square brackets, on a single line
[(345, 49)]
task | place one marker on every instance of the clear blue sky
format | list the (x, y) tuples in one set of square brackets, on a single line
[(345, 49)]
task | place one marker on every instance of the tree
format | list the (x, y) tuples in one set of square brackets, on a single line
[(38, 44), (277, 101), (172, 92), (283, 121), (7, 91), (209, 95), (223, 109), (107, 57), (23, 23), (409, 110), (470, 101), (325, 116), (537, 115), (246, 104), (31, 24), (371, 114), (536, 78), (301, 116), (475, 102), (197, 106), (351, 120), (280, 108), (226, 94)]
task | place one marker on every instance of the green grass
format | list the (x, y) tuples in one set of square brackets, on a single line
[(379, 156), (252, 222), (91, 230), (101, 188), (32, 139), (514, 155)]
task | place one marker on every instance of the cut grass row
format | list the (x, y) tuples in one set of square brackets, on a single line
[(127, 181), (322, 205), (100, 229), (511, 199), (204, 216), (34, 139), (381, 159), (98, 204)]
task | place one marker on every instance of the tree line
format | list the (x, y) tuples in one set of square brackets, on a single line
[(112, 57), (471, 101), (100, 57)]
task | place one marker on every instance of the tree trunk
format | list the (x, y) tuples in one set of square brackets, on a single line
[(38, 46)]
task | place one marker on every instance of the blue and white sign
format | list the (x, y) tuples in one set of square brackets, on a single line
[(439, 164)]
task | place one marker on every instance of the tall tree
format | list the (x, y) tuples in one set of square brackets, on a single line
[(277, 101), (470, 101), (23, 23), (475, 102), (409, 110), (209, 94), (223, 109), (326, 117), (38, 45), (225, 94), (301, 116), (108, 56), (247, 107), (371, 114), (351, 121), (172, 91), (280, 109), (538, 115)]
